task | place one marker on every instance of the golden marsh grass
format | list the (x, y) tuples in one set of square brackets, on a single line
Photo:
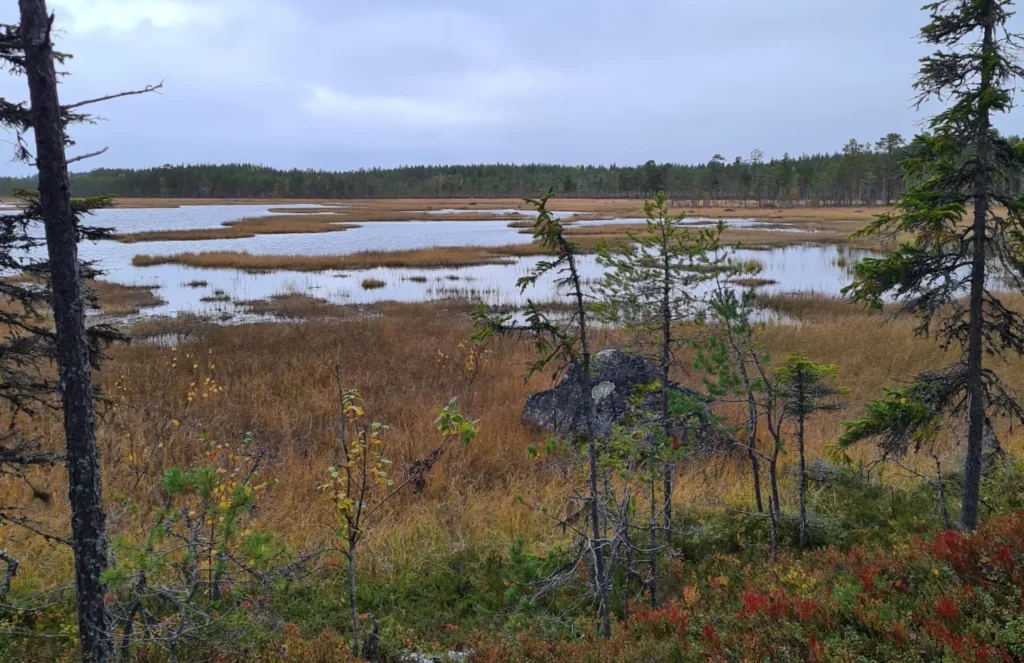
[(250, 227), (111, 298), (594, 207), (407, 361), (116, 299), (299, 305), (458, 256)]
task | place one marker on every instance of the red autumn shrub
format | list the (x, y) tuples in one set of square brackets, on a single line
[(948, 608), (959, 590)]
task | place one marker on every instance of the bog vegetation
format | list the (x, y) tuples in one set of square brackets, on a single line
[(281, 224), (838, 484), (467, 556)]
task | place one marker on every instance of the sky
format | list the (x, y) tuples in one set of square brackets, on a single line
[(344, 84)]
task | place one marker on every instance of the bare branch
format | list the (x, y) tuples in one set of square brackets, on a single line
[(88, 155), (29, 525), (145, 90)]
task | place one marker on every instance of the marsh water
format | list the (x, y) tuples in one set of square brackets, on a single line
[(798, 268)]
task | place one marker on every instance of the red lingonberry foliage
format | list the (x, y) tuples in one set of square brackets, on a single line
[(948, 608)]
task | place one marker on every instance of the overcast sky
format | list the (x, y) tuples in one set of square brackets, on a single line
[(343, 84)]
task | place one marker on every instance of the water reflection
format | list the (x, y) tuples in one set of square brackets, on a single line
[(795, 268), (822, 269)]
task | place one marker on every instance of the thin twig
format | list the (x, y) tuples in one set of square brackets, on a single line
[(87, 155), (129, 93)]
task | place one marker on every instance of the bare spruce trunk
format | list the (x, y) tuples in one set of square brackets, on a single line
[(803, 478), (773, 504), (755, 463), (666, 356), (940, 494), (588, 398), (87, 518), (975, 386), (652, 525)]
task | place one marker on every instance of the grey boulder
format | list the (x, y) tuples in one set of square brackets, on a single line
[(615, 377)]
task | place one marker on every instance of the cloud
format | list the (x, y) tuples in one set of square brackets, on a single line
[(402, 110), (363, 83), (127, 15)]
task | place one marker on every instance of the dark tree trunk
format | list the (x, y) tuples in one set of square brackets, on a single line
[(666, 357), (604, 609), (652, 523), (755, 463), (773, 502), (87, 518), (975, 339), (803, 476), (668, 471), (940, 494)]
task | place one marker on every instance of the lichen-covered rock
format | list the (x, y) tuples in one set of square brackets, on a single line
[(615, 377), (821, 472)]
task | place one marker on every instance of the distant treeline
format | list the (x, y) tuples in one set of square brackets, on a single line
[(861, 173)]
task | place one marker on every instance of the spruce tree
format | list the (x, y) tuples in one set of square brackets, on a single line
[(960, 226), (651, 283), (38, 287), (809, 388)]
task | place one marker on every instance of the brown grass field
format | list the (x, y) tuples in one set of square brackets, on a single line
[(588, 238), (605, 208), (116, 299), (299, 305), (261, 225), (601, 207), (113, 299), (434, 257), (456, 256), (833, 228), (807, 307), (407, 361), (774, 235), (466, 256), (753, 282)]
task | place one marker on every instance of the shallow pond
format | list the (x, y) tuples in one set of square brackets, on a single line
[(189, 217), (821, 269), (795, 268)]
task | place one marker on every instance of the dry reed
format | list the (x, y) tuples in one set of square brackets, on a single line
[(407, 361), (249, 227), (455, 256), (117, 299)]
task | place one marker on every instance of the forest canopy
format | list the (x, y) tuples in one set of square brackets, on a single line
[(860, 173)]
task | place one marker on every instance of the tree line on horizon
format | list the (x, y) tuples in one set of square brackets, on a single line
[(860, 173)]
